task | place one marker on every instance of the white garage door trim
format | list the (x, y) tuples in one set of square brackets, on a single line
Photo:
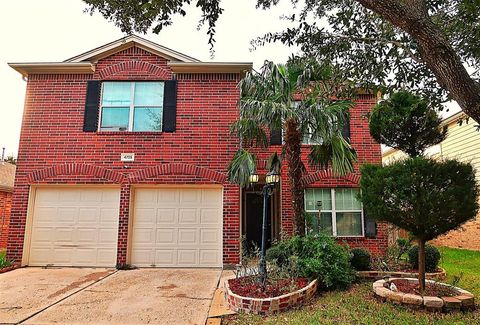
[(201, 208), (86, 248)]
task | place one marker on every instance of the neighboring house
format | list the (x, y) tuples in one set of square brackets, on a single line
[(7, 179), (123, 158), (462, 143)]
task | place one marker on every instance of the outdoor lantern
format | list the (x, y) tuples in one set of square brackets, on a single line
[(253, 178), (272, 178)]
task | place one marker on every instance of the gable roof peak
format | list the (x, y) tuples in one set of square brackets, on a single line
[(127, 42)]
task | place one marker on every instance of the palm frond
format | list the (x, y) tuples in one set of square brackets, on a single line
[(337, 151), (242, 165), (274, 163)]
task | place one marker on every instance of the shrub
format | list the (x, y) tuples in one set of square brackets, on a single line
[(432, 257), (360, 259), (314, 257)]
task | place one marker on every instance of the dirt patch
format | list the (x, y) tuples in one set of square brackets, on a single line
[(167, 287), (431, 289), (249, 286), (92, 277)]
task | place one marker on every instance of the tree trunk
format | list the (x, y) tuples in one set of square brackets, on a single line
[(293, 140), (421, 265), (435, 49)]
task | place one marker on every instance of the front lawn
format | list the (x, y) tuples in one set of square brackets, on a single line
[(358, 305)]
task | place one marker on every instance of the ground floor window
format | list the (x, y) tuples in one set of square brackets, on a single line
[(334, 211)]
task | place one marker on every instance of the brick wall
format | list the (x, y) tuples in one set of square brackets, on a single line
[(5, 209), (55, 150)]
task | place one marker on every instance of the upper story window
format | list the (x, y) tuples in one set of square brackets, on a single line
[(334, 211), (131, 106)]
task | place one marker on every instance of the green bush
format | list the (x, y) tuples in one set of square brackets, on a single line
[(314, 257), (360, 259), (432, 257)]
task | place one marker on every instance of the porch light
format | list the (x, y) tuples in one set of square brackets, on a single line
[(253, 178), (272, 178)]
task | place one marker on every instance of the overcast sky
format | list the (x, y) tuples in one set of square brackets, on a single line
[(55, 30)]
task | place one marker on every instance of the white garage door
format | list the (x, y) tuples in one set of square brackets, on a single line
[(75, 226), (177, 227)]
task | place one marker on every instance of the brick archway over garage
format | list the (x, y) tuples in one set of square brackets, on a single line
[(76, 169), (177, 169), (151, 69), (322, 174)]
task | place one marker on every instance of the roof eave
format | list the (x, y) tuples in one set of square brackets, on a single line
[(127, 42), (27, 69)]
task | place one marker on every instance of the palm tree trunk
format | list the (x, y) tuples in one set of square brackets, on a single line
[(293, 141)]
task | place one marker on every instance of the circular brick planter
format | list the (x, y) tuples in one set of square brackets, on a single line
[(464, 300), (269, 305), (383, 274)]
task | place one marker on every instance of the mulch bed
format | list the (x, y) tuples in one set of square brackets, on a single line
[(431, 289), (249, 287)]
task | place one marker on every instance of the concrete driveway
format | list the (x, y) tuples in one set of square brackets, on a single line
[(106, 296)]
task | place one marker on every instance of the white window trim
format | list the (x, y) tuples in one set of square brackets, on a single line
[(334, 211), (131, 109)]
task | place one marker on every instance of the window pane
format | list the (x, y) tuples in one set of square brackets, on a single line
[(149, 94), (147, 119), (116, 94), (346, 199), (324, 226), (114, 118), (349, 224), (314, 195)]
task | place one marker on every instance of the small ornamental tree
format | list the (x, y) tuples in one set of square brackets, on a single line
[(406, 122), (424, 196)]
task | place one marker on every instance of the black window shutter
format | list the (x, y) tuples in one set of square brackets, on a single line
[(346, 130), (170, 106), (370, 226), (90, 118), (275, 137)]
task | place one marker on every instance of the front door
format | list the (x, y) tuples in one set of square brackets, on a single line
[(253, 217)]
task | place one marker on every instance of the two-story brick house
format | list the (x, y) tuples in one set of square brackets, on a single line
[(123, 157)]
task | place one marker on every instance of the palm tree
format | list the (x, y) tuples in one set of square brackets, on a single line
[(296, 98)]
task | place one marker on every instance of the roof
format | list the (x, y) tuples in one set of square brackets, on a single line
[(7, 176), (85, 63)]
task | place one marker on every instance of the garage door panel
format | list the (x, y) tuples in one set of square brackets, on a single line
[(166, 236), (166, 216), (187, 228), (188, 216), (210, 216), (209, 257), (187, 236), (210, 236), (75, 226)]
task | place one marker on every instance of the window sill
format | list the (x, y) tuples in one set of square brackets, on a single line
[(129, 133)]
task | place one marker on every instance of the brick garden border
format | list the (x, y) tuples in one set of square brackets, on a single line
[(382, 274), (463, 301), (265, 306), (8, 268)]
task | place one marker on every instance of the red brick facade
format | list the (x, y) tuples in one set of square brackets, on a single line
[(55, 150), (5, 209)]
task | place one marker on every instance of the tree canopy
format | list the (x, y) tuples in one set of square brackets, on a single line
[(416, 44), (406, 122)]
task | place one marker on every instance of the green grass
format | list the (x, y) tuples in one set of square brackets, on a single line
[(358, 305)]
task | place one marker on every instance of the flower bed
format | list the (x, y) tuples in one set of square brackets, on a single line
[(8, 268), (439, 275), (271, 304), (440, 296)]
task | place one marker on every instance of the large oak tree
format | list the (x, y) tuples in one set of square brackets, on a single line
[(431, 46)]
